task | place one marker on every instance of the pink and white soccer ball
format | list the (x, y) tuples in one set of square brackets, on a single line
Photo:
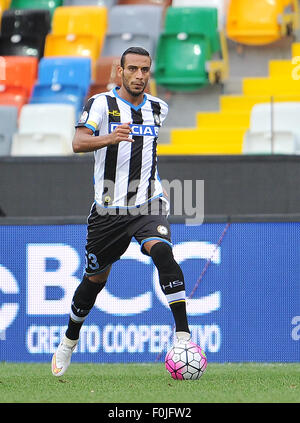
[(186, 361)]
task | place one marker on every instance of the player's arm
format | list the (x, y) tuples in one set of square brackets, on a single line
[(84, 140)]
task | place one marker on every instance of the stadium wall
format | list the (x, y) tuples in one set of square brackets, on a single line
[(242, 286), (233, 185), (241, 265)]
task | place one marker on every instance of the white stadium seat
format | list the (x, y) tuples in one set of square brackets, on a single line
[(277, 122), (265, 143), (45, 129)]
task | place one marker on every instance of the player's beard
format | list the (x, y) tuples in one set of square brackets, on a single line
[(130, 91)]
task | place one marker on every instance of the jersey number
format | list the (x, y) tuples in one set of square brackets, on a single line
[(91, 261)]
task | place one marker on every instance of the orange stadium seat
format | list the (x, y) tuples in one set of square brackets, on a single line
[(18, 72), (17, 77), (69, 45), (260, 22)]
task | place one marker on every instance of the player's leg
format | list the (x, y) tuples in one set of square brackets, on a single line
[(153, 233), (82, 303), (172, 283), (104, 246)]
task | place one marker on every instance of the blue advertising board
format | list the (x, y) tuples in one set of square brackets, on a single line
[(242, 283)]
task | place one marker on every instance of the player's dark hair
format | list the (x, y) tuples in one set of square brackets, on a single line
[(134, 50)]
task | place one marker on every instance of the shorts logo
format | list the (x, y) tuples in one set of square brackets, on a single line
[(162, 230), (83, 117)]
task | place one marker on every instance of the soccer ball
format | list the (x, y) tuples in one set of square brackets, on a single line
[(186, 360)]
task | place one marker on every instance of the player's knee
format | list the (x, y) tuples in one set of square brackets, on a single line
[(100, 277)]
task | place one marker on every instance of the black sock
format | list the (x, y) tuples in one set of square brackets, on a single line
[(83, 301), (172, 283)]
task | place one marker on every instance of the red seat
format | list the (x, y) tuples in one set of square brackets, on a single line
[(17, 77), (18, 72)]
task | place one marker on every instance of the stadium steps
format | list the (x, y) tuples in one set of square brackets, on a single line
[(223, 131)]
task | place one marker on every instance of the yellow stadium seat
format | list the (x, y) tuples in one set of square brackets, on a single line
[(225, 120), (270, 86), (81, 20), (260, 22)]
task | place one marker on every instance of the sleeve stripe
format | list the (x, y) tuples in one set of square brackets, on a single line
[(87, 125)]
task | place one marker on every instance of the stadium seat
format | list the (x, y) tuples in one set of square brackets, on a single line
[(64, 71), (220, 5), (185, 53), (46, 129), (8, 127), (194, 20), (260, 22), (70, 94), (77, 46), (164, 3), (18, 73), (74, 21), (266, 143), (276, 126), (23, 32), (19, 45), (131, 25), (180, 64), (106, 75), (105, 3), (50, 5), (31, 23)]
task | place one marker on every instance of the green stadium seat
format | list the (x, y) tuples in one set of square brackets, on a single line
[(194, 20), (50, 5), (187, 49), (180, 63)]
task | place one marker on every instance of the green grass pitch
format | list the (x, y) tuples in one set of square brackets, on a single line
[(149, 383)]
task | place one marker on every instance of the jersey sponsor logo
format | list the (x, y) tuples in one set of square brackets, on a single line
[(114, 113), (137, 130)]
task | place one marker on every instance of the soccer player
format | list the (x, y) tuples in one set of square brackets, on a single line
[(121, 128)]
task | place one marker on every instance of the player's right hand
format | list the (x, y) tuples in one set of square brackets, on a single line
[(121, 133)]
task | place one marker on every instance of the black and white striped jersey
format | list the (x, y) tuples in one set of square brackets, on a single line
[(125, 175)]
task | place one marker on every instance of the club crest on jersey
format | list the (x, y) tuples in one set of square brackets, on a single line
[(137, 130)]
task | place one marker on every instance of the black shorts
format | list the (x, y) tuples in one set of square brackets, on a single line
[(109, 232)]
